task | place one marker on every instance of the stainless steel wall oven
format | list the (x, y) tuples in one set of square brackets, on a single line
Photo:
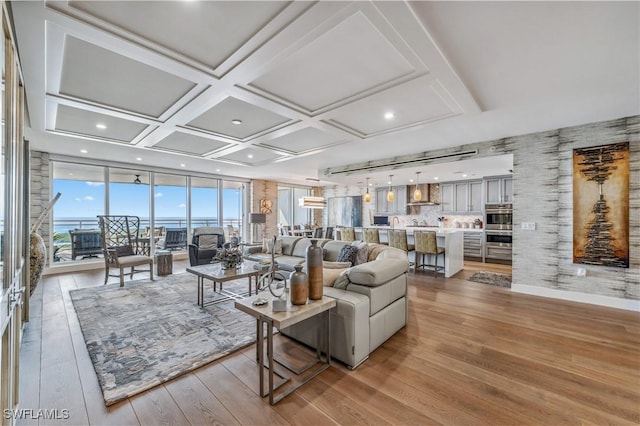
[(498, 234), (498, 216)]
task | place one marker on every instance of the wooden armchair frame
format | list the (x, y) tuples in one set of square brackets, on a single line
[(121, 246)]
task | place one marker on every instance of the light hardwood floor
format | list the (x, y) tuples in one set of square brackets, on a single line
[(470, 354)]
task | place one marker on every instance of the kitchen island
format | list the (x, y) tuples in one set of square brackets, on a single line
[(452, 239)]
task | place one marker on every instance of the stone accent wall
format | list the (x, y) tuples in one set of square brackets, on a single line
[(265, 190), (40, 194), (543, 193)]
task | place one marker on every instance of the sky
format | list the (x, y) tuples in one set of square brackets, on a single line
[(86, 200)]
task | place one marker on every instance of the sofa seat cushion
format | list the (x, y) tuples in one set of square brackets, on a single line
[(287, 263), (378, 272), (258, 257)]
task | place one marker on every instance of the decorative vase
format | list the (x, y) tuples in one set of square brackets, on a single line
[(314, 269), (37, 259), (299, 283)]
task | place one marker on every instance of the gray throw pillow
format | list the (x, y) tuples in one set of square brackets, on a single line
[(208, 241), (348, 254), (363, 252), (342, 281)]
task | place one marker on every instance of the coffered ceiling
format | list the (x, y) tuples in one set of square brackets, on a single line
[(282, 90)]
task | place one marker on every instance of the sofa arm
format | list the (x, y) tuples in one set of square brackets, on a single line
[(249, 249), (378, 272)]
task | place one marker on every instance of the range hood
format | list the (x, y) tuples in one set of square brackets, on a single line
[(427, 190)]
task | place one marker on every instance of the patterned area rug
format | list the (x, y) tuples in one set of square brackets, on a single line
[(147, 333), (492, 278)]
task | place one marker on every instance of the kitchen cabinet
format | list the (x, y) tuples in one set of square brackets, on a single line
[(499, 189), (446, 197), (461, 197), (397, 206), (473, 245)]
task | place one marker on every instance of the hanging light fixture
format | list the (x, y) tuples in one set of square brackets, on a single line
[(312, 202), (390, 194), (137, 180), (367, 196), (417, 194)]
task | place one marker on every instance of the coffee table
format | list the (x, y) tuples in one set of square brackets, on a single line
[(215, 273), (293, 315)]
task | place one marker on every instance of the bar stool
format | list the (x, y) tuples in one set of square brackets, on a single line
[(328, 233), (427, 243), (371, 235), (347, 234), (398, 239)]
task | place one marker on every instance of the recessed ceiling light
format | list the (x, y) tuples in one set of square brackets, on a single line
[(183, 165), (217, 170), (411, 180), (139, 158), (101, 126), (464, 175), (389, 115), (249, 155), (436, 178), (236, 121), (70, 174), (84, 151)]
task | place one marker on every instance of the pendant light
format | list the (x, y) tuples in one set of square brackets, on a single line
[(390, 195), (417, 194), (367, 196)]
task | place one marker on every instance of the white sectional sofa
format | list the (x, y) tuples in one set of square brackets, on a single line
[(371, 304)]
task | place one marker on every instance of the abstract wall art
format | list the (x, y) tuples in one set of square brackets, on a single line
[(601, 205)]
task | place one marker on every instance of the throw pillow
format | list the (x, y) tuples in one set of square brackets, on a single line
[(342, 281), (363, 252), (208, 241), (329, 276), (348, 254)]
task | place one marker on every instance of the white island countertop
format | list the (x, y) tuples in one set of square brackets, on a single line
[(452, 239)]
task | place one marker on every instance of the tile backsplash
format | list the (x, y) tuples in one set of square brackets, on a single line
[(429, 215)]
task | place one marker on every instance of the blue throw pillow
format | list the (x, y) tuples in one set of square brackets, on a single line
[(348, 254)]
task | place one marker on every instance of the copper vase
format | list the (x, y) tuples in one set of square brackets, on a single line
[(314, 270)]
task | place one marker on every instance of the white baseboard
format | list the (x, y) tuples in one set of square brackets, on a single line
[(594, 299)]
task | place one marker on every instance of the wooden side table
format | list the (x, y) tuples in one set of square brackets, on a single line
[(164, 262), (293, 315)]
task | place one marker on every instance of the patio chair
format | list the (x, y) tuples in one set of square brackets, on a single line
[(174, 239), (120, 236), (205, 244), (85, 243)]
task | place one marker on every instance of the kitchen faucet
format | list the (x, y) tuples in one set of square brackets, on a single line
[(393, 221)]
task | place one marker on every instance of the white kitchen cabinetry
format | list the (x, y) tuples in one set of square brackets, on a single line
[(397, 206), (499, 189), (461, 197)]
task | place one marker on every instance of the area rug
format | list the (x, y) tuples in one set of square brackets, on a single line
[(147, 333), (492, 278)]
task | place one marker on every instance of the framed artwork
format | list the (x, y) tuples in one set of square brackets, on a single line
[(601, 205), (266, 206)]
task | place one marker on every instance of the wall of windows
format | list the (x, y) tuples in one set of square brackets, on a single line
[(163, 201), (289, 212)]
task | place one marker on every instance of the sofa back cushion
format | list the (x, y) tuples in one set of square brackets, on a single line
[(300, 249), (332, 249), (288, 244)]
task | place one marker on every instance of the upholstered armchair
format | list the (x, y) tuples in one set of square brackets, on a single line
[(204, 244), (121, 246)]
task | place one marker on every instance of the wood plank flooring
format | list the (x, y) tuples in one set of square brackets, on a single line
[(470, 354)]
